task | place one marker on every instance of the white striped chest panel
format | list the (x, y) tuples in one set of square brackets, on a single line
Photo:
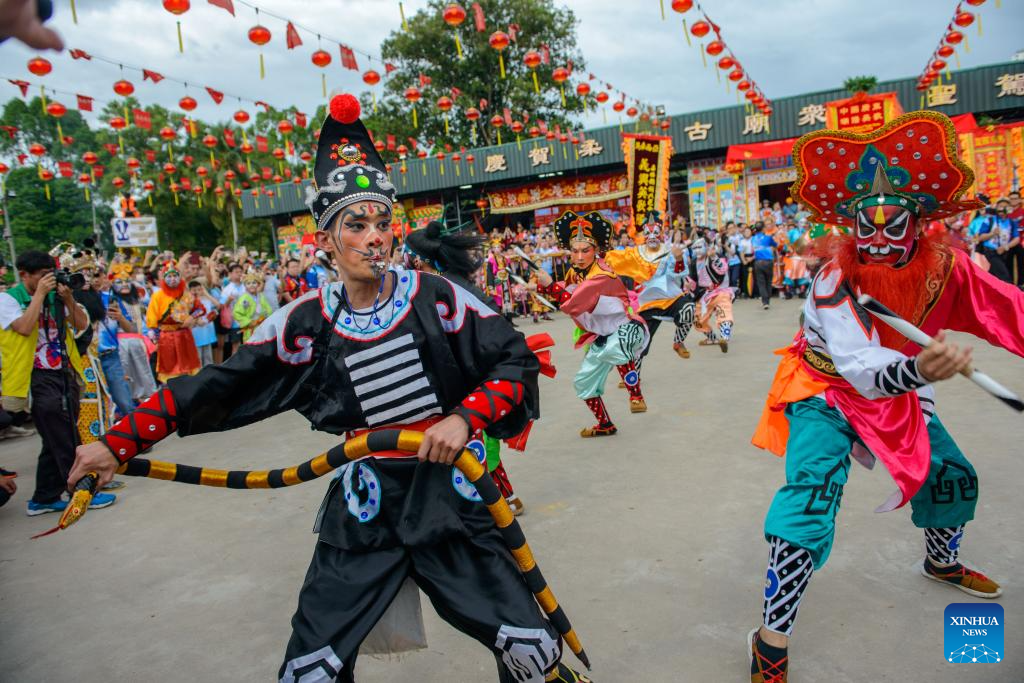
[(390, 382)]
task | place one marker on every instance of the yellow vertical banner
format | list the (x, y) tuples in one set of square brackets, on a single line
[(647, 160)]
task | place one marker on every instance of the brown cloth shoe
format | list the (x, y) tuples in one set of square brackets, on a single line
[(767, 665), (596, 430), (968, 580), (681, 350), (637, 405)]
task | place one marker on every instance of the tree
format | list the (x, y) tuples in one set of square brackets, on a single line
[(856, 84), (426, 50), (188, 220)]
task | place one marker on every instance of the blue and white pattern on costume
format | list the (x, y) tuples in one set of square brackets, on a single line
[(363, 502), (367, 327), (459, 481)]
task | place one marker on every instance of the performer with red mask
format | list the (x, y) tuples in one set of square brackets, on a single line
[(170, 312), (850, 386)]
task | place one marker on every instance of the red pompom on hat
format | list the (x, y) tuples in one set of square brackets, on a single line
[(345, 108)]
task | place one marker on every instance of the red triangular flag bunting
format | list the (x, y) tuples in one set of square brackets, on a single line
[(478, 18), (224, 4), (348, 58), (389, 67), (217, 96), (111, 148), (229, 137), (261, 143), (80, 54), (84, 102), (142, 119), (291, 36), (150, 155), (152, 75), (22, 85), (300, 119)]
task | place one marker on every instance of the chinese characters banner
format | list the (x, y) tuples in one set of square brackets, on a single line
[(993, 152), (647, 159), (862, 113), (558, 192)]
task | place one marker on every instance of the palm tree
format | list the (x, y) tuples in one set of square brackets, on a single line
[(856, 84)]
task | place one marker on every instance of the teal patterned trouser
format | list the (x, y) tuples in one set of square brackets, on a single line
[(803, 511), (618, 348)]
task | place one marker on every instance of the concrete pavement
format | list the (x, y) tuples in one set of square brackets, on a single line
[(650, 539)]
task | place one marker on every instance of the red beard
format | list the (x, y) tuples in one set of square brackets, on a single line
[(174, 293), (903, 289)]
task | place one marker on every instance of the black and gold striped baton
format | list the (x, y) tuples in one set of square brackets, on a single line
[(359, 447)]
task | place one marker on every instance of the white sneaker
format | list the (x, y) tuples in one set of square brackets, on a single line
[(15, 432)]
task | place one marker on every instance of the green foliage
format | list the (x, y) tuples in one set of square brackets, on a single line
[(856, 84), (183, 224), (428, 48)]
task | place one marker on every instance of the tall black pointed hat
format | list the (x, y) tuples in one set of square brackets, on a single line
[(573, 227), (348, 168)]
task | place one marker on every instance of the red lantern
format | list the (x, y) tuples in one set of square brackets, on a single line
[(210, 141), (56, 109), (583, 89), (285, 127), (218, 191), (39, 66), (726, 62), (321, 58), (255, 178), (378, 145), (188, 103), (666, 124), (532, 59), (700, 28), (481, 203), (456, 157), (132, 163), (413, 94), (682, 6), (276, 179), (472, 114), (36, 149), (84, 178), (241, 116), (550, 135), (534, 132), (371, 77), (167, 133), (278, 153), (954, 37), (4, 168), (645, 116), (516, 127), (497, 121), (124, 88), (118, 123), (46, 175), (563, 137), (229, 174), (715, 48), (751, 94), (422, 154), (963, 19), (767, 110), (117, 182), (618, 106), (453, 15), (632, 111), (931, 74), (444, 103), (403, 151), (254, 192), (177, 8), (560, 75), (149, 185), (90, 158), (202, 172), (975, 3), (757, 99), (238, 192), (601, 97), (921, 86), (939, 64), (499, 40), (170, 169), (305, 156), (259, 35), (440, 156), (737, 75), (945, 51)]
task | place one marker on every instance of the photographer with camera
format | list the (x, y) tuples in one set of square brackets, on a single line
[(995, 235), (38, 321)]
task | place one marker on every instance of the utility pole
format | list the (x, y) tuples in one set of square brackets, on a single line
[(234, 229), (7, 232)]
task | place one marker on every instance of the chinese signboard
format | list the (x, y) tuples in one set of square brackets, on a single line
[(291, 238), (572, 191), (647, 158), (862, 113)]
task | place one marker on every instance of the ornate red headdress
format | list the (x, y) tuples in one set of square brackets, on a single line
[(910, 162)]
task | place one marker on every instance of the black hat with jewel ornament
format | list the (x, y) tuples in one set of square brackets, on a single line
[(348, 168)]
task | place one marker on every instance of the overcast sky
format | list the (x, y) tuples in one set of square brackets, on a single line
[(788, 46)]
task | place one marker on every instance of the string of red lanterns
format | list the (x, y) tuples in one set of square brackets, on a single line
[(951, 38), (726, 61)]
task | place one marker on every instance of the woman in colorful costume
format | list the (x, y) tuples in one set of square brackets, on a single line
[(379, 349), (252, 308), (714, 299), (657, 271), (135, 347), (850, 386), (170, 312), (608, 324), (455, 256)]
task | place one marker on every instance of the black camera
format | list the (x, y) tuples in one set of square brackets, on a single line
[(71, 280)]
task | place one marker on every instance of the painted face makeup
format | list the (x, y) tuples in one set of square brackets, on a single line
[(582, 255), (886, 235)]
